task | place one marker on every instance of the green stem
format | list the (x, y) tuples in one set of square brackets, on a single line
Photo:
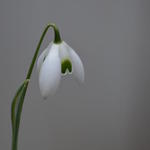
[(57, 39)]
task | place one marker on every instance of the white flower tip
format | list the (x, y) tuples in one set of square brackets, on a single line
[(46, 92), (81, 77)]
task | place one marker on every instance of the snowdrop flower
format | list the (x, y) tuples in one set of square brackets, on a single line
[(56, 60)]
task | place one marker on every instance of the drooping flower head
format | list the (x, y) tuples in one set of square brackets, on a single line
[(56, 60)]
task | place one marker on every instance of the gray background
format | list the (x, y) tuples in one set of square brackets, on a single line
[(110, 111)]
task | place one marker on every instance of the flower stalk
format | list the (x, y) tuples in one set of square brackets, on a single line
[(17, 103), (57, 39)]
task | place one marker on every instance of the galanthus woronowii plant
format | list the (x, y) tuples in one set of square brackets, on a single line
[(57, 60)]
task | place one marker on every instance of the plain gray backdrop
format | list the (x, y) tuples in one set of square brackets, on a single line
[(110, 111)]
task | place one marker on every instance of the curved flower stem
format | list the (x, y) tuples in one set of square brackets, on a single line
[(56, 40), (22, 90)]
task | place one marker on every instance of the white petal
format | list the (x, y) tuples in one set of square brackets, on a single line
[(77, 65), (63, 51), (50, 72), (42, 57)]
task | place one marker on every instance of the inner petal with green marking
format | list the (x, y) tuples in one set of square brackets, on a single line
[(66, 66)]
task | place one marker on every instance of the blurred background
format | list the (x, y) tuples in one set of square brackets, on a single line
[(110, 111)]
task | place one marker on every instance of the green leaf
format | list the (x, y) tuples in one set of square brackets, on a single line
[(15, 103), (16, 109)]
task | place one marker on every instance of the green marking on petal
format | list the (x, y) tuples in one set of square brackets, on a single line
[(66, 65), (44, 58)]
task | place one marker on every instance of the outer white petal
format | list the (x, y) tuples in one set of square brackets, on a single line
[(42, 56), (50, 72), (77, 65)]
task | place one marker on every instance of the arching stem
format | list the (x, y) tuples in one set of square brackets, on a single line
[(17, 117), (57, 39)]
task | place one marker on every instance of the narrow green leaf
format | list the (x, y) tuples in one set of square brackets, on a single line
[(15, 108), (15, 103)]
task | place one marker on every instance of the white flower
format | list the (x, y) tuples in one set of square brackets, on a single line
[(57, 60)]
